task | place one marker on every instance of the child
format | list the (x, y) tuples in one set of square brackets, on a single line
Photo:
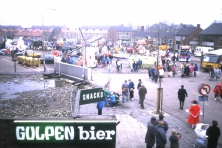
[(100, 106), (174, 139)]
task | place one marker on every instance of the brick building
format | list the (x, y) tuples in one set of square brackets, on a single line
[(212, 36)]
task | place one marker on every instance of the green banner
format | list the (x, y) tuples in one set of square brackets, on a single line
[(35, 131), (91, 96)]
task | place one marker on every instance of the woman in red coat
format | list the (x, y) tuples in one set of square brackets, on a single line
[(194, 114)]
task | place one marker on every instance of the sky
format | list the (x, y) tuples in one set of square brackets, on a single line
[(75, 13)]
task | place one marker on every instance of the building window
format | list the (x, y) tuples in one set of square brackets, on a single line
[(220, 38), (209, 39)]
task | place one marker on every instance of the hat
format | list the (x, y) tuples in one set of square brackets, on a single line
[(194, 102)]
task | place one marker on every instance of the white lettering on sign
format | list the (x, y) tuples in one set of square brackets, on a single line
[(37, 134), (49, 131), (20, 135), (58, 133), (32, 133), (92, 135), (69, 132), (94, 95)]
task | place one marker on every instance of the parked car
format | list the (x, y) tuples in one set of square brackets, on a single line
[(49, 59), (3, 51)]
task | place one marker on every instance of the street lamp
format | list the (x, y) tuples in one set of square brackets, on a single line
[(43, 38), (175, 41)]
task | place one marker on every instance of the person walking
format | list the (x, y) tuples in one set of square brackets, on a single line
[(217, 92), (156, 73), (174, 139), (213, 133), (138, 87), (160, 135), (100, 106), (194, 116), (111, 58), (118, 64), (150, 133), (131, 89), (182, 94), (125, 92), (142, 95), (165, 124)]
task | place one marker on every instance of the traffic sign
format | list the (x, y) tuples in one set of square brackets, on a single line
[(204, 89)]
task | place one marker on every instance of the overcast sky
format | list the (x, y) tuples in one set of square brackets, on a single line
[(75, 13)]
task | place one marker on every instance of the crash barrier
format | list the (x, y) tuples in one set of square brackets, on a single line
[(82, 73), (29, 61)]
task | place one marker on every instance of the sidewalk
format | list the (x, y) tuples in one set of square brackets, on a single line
[(131, 108)]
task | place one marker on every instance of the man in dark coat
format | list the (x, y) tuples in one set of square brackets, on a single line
[(142, 95), (187, 71), (160, 135), (213, 134), (138, 87), (182, 94), (150, 133), (165, 124)]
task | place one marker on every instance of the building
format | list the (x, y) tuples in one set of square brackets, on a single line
[(89, 32), (157, 38), (9, 31), (212, 36), (121, 32), (188, 35), (35, 32)]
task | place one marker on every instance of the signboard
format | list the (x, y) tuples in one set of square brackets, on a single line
[(91, 96), (68, 131), (202, 98)]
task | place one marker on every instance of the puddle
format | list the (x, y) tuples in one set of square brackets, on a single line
[(9, 89)]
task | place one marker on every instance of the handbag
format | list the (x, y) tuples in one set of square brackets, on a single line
[(124, 89)]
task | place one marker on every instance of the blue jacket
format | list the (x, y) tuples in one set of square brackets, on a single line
[(160, 136), (131, 85), (100, 105), (195, 68), (113, 98)]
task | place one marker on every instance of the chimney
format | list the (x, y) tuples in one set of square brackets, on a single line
[(198, 25), (142, 28)]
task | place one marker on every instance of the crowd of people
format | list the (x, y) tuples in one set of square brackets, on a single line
[(157, 129)]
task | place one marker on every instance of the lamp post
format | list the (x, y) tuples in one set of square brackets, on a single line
[(43, 42), (159, 90), (43, 35), (175, 42)]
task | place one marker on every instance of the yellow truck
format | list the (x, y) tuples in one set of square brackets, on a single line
[(212, 59)]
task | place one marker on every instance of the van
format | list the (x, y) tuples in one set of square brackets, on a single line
[(212, 59), (200, 49)]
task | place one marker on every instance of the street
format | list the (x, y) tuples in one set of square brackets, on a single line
[(170, 87)]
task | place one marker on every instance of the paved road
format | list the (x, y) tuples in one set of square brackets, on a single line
[(176, 117)]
